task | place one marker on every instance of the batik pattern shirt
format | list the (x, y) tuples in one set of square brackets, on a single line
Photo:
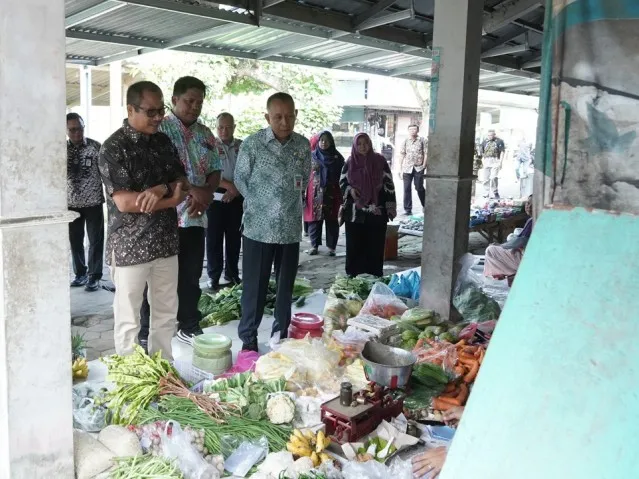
[(228, 157), (491, 151), (197, 148), (386, 201), (131, 161), (413, 155), (272, 178), (84, 186)]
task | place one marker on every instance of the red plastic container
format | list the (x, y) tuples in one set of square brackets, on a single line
[(306, 323)]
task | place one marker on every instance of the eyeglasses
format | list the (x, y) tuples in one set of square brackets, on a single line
[(76, 129), (152, 113)]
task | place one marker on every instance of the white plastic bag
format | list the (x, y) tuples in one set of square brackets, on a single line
[(245, 456), (374, 470), (176, 445)]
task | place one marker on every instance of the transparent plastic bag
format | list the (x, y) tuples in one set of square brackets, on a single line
[(176, 446), (350, 344), (383, 303), (242, 454), (312, 357), (337, 311), (471, 297), (398, 469), (89, 417)]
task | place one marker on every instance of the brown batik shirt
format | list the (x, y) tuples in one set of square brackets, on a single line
[(132, 161)]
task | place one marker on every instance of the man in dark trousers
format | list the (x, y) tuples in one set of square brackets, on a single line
[(86, 197), (197, 149), (223, 234), (412, 166), (272, 171)]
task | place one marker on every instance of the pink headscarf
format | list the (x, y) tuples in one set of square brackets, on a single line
[(314, 141), (366, 172)]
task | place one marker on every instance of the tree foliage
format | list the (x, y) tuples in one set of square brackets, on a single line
[(241, 86)]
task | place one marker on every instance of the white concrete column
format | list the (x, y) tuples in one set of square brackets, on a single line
[(86, 97), (36, 435), (456, 58), (115, 94)]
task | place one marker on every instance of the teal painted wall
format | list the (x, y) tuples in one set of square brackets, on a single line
[(557, 396)]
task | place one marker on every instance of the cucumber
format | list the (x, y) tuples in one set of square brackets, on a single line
[(300, 302), (430, 374)]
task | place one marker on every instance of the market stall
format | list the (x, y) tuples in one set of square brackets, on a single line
[(493, 220), (364, 391)]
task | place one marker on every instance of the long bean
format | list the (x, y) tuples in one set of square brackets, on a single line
[(146, 467), (186, 413)]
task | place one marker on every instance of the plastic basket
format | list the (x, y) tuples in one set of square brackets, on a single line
[(191, 374)]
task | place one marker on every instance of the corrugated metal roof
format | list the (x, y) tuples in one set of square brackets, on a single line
[(314, 32)]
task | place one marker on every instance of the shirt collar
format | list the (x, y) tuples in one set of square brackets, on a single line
[(270, 136), (84, 143), (174, 119), (132, 133)]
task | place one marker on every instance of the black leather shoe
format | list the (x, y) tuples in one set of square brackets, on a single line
[(92, 285), (252, 346), (213, 285), (79, 281)]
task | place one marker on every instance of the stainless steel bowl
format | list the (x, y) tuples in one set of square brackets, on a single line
[(387, 366)]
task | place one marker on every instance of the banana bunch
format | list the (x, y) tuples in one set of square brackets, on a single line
[(308, 444), (80, 368)]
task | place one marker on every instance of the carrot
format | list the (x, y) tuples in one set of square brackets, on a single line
[(441, 406), (450, 387), (461, 343), (482, 353), (452, 401), (472, 374), (459, 370), (467, 362), (463, 394), (470, 357), (450, 394), (419, 345)]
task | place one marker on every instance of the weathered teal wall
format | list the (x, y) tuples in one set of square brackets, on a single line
[(557, 396)]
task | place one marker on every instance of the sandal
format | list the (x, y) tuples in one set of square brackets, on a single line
[(331, 252), (313, 252)]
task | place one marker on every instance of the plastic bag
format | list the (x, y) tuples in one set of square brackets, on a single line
[(246, 361), (275, 365), (470, 297), (399, 469), (312, 357), (338, 311), (244, 456), (383, 303), (406, 285), (89, 417), (176, 446), (350, 344)]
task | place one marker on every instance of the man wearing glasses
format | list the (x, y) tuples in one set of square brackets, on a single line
[(145, 182), (85, 197), (198, 153)]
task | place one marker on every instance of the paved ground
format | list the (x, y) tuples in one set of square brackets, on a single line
[(92, 314)]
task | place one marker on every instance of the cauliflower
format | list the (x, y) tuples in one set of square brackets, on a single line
[(280, 409)]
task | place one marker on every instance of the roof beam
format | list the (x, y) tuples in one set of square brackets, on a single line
[(386, 19), (290, 45), (116, 39), (270, 3), (505, 50), (398, 72), (532, 64), (508, 12), (221, 29), (504, 39), (380, 6), (196, 10), (362, 59), (520, 87), (90, 13)]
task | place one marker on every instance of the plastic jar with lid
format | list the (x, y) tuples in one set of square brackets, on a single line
[(212, 353), (306, 323)]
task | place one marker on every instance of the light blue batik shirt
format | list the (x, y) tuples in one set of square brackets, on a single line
[(272, 178)]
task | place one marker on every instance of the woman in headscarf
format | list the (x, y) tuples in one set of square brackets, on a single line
[(313, 141), (323, 196), (502, 260), (369, 203)]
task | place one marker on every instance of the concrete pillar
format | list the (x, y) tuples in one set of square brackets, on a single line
[(86, 97), (36, 438), (456, 57), (115, 94)]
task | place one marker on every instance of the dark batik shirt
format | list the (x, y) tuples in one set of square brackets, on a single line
[(132, 161), (84, 186)]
